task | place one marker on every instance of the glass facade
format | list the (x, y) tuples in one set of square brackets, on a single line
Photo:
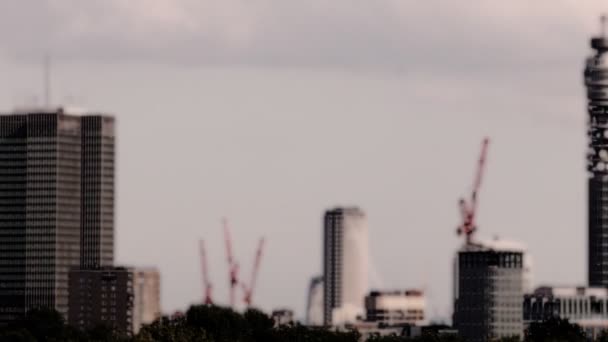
[(42, 211)]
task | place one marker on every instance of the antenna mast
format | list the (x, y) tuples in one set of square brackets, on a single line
[(47, 81)]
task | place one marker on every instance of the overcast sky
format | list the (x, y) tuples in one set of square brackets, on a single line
[(271, 111)]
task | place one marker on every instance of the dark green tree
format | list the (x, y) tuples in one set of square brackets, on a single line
[(43, 324), (300, 333), (18, 335), (554, 330), (388, 338), (171, 330), (221, 324), (260, 325), (603, 337)]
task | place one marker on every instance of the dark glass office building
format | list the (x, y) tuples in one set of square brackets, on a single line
[(489, 298), (48, 160)]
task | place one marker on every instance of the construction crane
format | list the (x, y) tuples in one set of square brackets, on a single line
[(249, 288), (468, 209), (233, 266), (205, 272)]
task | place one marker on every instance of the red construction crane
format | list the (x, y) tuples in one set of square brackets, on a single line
[(468, 209), (233, 266), (206, 283), (248, 289)]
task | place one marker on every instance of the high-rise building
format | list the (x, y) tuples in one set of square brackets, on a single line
[(102, 296), (596, 81), (488, 304), (146, 310), (42, 210), (97, 185), (345, 265)]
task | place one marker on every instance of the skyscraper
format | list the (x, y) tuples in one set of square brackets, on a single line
[(345, 265), (97, 208), (41, 208), (596, 81)]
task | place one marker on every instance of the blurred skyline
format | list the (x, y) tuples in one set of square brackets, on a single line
[(269, 114)]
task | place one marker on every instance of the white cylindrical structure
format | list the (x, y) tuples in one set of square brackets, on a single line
[(354, 265), (346, 265)]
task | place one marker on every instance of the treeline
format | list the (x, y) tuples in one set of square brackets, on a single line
[(217, 324)]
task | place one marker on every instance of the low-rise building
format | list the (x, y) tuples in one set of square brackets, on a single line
[(147, 297), (396, 307), (101, 297), (282, 317), (585, 306), (122, 298)]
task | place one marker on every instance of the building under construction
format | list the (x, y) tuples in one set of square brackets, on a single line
[(596, 81)]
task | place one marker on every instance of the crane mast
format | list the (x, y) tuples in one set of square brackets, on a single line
[(468, 209), (233, 266), (207, 298), (249, 289)]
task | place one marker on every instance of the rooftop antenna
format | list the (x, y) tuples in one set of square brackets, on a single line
[(47, 81)]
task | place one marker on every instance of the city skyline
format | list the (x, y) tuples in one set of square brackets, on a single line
[(272, 145)]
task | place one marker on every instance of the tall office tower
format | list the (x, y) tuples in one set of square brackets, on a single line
[(345, 265), (40, 209), (146, 309), (97, 209), (489, 298), (596, 81)]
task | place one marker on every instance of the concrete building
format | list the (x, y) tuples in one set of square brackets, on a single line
[(103, 296), (345, 265), (314, 305), (488, 300), (47, 161), (146, 309), (596, 81), (282, 317), (585, 306), (396, 307)]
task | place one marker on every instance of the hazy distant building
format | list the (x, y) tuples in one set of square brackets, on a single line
[(102, 296), (396, 307), (345, 265), (48, 159), (596, 81), (146, 304), (587, 307), (314, 305), (488, 301), (282, 317)]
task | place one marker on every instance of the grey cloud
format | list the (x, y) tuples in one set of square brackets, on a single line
[(340, 33)]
